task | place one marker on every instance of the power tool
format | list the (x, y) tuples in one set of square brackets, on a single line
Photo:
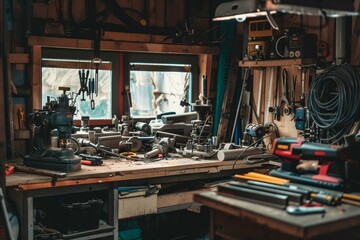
[(56, 114), (292, 150)]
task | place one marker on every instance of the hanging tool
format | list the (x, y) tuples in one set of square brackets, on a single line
[(284, 83), (275, 109), (260, 93), (83, 83), (290, 109), (302, 98), (97, 60), (91, 93), (271, 80)]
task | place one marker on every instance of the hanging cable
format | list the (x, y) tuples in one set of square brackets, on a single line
[(334, 101)]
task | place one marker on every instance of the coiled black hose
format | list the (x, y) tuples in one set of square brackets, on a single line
[(334, 101)]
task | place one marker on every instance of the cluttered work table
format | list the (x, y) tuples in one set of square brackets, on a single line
[(25, 188)]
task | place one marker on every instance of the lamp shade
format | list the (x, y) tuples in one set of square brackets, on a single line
[(253, 8)]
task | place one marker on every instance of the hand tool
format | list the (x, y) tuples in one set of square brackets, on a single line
[(302, 210), (284, 83), (260, 92), (83, 83), (98, 147), (268, 100), (263, 180), (275, 109), (290, 109), (9, 169), (265, 198), (293, 196), (302, 98), (91, 93), (88, 159), (326, 196)]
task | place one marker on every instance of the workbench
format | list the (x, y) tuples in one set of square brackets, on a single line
[(233, 218), (23, 189)]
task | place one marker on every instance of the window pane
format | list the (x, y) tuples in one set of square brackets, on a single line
[(155, 92), (53, 78)]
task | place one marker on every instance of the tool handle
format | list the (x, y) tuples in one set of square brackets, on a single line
[(325, 198), (92, 104)]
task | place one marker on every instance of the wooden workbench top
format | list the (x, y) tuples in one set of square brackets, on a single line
[(305, 226), (120, 170)]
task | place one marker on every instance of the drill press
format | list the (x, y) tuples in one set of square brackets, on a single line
[(56, 114)]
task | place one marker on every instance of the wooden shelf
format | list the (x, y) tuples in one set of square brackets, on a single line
[(124, 46), (296, 62)]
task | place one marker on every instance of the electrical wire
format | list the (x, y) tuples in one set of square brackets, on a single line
[(259, 158), (334, 101), (251, 145)]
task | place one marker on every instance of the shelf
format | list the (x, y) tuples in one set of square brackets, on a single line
[(296, 62), (103, 231), (72, 43)]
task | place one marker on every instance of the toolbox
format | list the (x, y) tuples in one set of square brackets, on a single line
[(75, 217)]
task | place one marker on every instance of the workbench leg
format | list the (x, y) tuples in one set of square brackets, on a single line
[(24, 209), (212, 224), (29, 207), (113, 211)]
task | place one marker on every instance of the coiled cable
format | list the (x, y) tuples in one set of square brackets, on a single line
[(334, 101)]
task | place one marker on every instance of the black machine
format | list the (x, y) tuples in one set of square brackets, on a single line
[(57, 114)]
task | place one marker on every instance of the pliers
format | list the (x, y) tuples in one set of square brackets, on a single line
[(284, 83)]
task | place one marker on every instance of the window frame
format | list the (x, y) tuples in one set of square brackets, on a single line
[(162, 58), (84, 55)]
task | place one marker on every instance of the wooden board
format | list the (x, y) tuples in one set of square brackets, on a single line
[(121, 170), (73, 43)]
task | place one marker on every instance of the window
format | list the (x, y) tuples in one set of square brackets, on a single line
[(164, 84), (64, 72), (158, 83)]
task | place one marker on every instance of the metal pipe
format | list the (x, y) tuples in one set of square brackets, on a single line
[(340, 40), (233, 154)]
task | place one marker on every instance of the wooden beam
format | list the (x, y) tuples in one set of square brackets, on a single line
[(36, 77), (72, 43), (295, 62), (23, 58), (74, 64), (2, 115)]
